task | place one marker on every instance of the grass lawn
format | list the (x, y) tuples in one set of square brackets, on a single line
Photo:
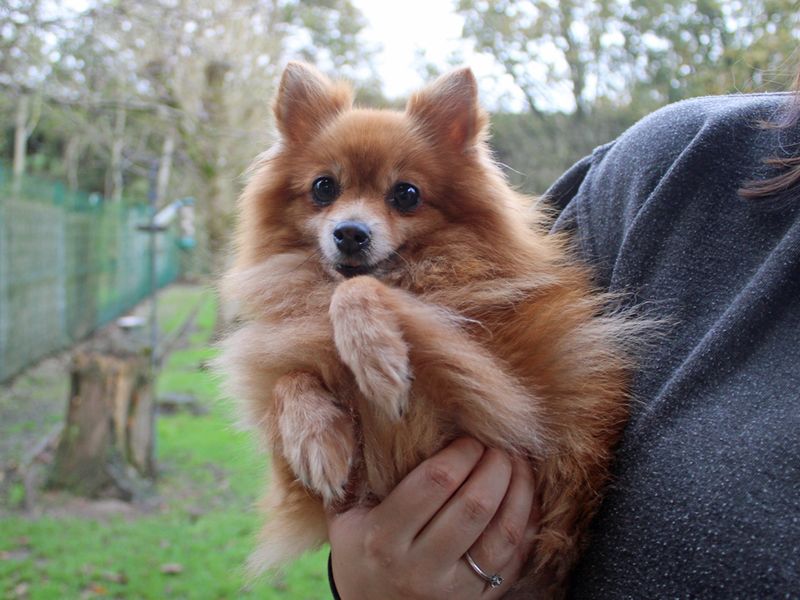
[(193, 540)]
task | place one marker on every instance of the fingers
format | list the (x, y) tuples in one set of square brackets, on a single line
[(456, 527), (481, 501), (506, 532), (511, 572), (418, 497)]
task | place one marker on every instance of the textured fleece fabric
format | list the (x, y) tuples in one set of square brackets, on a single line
[(705, 501)]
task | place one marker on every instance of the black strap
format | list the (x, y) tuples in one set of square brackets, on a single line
[(331, 582)]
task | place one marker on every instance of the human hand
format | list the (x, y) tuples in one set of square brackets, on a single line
[(411, 545)]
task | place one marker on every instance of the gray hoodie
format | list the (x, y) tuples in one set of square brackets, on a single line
[(705, 501)]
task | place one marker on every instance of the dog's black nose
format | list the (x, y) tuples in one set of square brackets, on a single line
[(351, 237)]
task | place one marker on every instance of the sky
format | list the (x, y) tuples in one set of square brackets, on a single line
[(405, 28)]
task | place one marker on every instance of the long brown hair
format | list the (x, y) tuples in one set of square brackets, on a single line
[(789, 177)]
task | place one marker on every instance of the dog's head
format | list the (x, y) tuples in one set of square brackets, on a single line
[(364, 189)]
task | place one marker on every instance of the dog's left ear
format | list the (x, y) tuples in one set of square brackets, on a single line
[(449, 108), (307, 100)]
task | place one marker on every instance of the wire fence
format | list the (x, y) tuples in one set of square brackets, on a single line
[(70, 262)]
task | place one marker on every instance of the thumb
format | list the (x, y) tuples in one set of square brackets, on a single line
[(348, 519)]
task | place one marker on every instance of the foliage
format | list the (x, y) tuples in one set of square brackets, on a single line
[(23, 53), (639, 52), (700, 47), (590, 69), (536, 151)]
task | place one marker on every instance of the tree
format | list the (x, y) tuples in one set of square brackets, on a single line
[(645, 52), (23, 66), (688, 48), (211, 66), (159, 85), (553, 49), (171, 95)]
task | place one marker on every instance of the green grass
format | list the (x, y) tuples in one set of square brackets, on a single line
[(204, 521)]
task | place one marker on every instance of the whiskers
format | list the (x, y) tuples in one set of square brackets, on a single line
[(396, 254), (316, 253)]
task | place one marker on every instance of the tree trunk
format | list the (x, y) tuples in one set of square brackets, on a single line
[(72, 155), (217, 227), (164, 168), (117, 145), (21, 138), (217, 206), (107, 445)]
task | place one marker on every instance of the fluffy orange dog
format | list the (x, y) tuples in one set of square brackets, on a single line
[(396, 293)]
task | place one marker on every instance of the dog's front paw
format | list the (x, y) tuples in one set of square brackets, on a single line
[(318, 437), (322, 459), (369, 341), (384, 378)]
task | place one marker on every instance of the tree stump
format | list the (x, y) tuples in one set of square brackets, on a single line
[(107, 445)]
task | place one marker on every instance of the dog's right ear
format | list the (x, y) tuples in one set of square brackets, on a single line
[(449, 110), (307, 100)]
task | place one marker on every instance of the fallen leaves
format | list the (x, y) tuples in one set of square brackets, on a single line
[(17, 554), (172, 568)]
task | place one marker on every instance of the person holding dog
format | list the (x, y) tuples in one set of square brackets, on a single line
[(694, 214)]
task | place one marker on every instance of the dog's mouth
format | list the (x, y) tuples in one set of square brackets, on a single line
[(353, 266), (348, 271)]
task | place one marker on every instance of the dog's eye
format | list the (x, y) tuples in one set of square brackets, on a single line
[(324, 190), (405, 197)]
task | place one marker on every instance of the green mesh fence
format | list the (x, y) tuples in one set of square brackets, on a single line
[(69, 263)]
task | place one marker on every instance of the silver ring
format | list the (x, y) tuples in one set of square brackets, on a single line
[(493, 580)]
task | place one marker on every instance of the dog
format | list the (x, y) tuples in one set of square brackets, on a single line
[(395, 293)]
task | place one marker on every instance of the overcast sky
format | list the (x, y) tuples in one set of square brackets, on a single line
[(405, 28)]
